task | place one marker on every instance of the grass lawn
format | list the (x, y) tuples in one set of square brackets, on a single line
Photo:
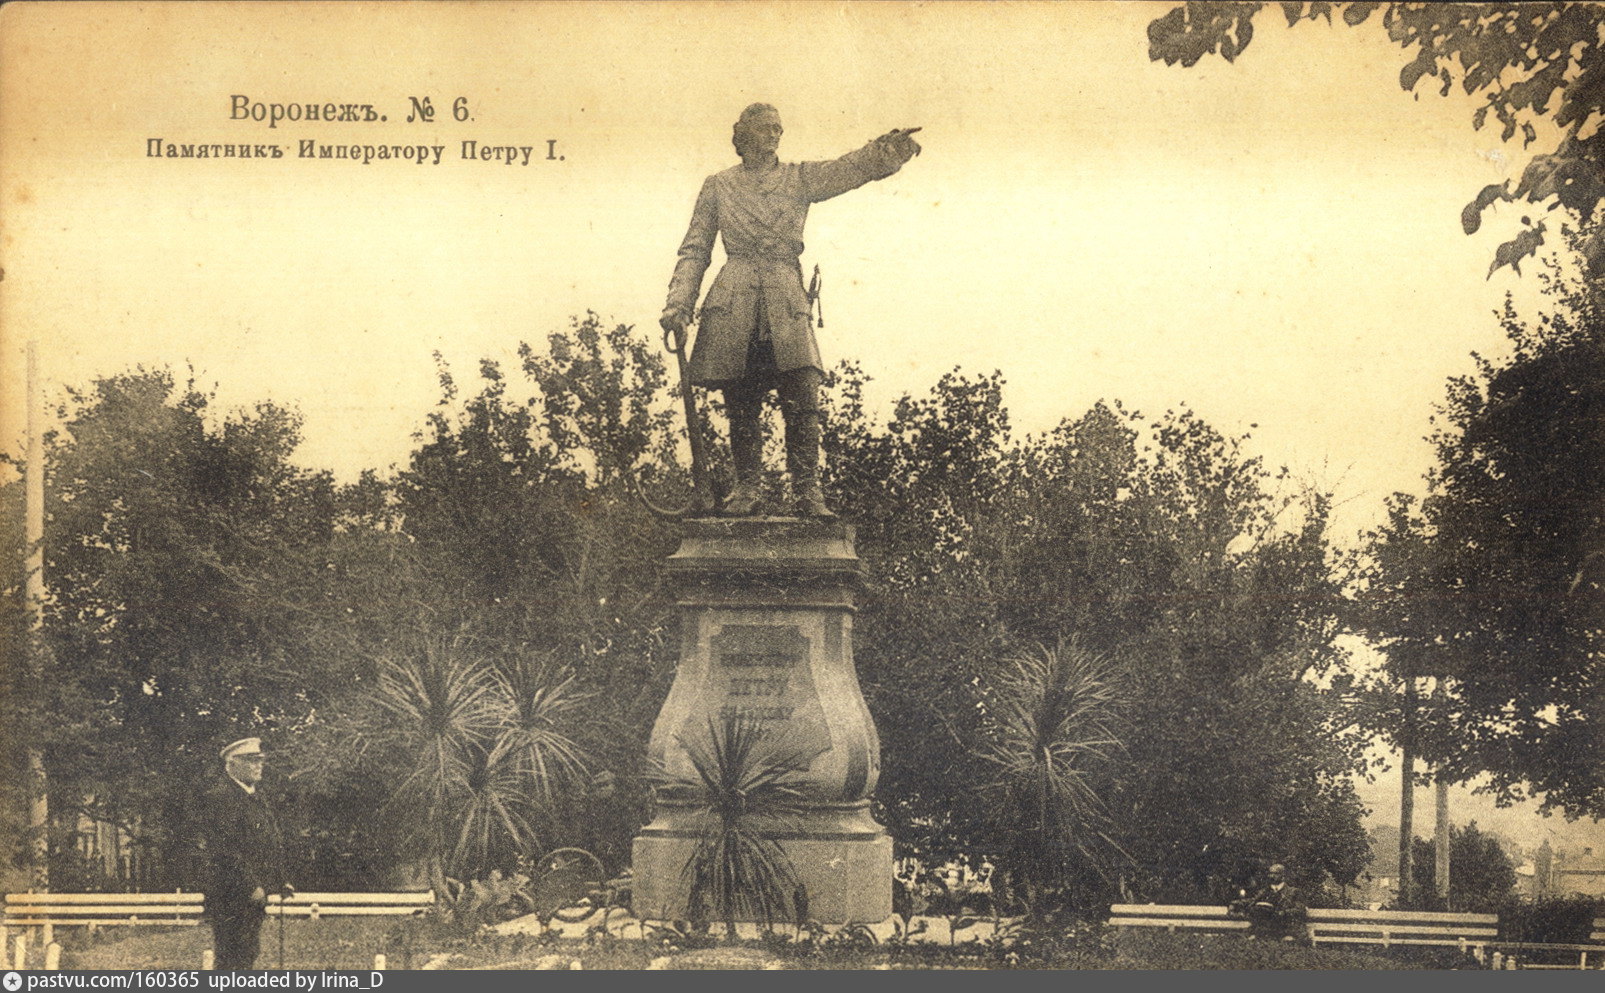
[(351, 944), (333, 943)]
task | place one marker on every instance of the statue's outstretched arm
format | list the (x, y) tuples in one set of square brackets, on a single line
[(876, 160)]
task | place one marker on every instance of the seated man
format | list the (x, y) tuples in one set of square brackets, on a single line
[(1276, 912)]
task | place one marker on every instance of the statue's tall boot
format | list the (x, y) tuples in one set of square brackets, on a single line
[(802, 462), (746, 451)]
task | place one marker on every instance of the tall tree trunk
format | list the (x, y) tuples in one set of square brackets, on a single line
[(1407, 796), (1440, 873)]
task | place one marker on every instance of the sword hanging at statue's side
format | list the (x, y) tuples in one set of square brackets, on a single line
[(814, 303), (702, 499)]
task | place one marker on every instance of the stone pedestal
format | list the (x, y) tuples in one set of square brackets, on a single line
[(767, 632)]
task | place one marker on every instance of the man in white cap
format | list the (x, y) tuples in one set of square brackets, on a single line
[(243, 855)]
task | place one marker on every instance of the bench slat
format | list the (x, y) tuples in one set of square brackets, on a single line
[(425, 898), (1165, 910), (1416, 929), (101, 898), (338, 911), (1192, 923), (1404, 916), (1352, 940), (1354, 927), (102, 922), (179, 908), (127, 910)]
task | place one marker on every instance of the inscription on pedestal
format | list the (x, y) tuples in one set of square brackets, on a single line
[(761, 672)]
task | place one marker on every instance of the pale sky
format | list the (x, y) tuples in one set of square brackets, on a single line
[(1275, 242)]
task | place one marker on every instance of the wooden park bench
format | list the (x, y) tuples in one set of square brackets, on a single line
[(1593, 949), (1472, 932), (315, 905), (44, 912), (101, 909), (1175, 917), (41, 913)]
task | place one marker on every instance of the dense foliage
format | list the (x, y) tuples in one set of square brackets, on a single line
[(167, 531), (459, 664), (1159, 544), (1490, 588), (1492, 584), (1482, 877)]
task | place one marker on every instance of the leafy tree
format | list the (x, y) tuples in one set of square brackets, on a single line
[(1238, 611), (1492, 583), (603, 392), (1481, 875), (1538, 67), (917, 489), (521, 501), (507, 527), (486, 498), (158, 516), (1395, 613), (1158, 544), (29, 699)]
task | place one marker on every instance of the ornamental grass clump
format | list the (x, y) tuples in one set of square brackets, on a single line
[(746, 789), (1052, 722), (482, 752)]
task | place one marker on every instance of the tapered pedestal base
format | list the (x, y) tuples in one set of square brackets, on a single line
[(842, 858), (766, 607)]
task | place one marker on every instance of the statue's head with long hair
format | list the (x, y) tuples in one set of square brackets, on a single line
[(757, 130)]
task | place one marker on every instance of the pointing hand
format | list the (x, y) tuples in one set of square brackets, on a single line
[(901, 140)]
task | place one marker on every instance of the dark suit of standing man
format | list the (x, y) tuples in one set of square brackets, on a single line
[(244, 855)]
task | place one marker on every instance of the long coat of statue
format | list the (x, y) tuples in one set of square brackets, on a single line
[(760, 214)]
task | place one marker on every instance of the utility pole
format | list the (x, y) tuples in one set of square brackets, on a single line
[(34, 536)]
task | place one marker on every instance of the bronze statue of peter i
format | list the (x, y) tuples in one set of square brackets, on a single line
[(755, 332)]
